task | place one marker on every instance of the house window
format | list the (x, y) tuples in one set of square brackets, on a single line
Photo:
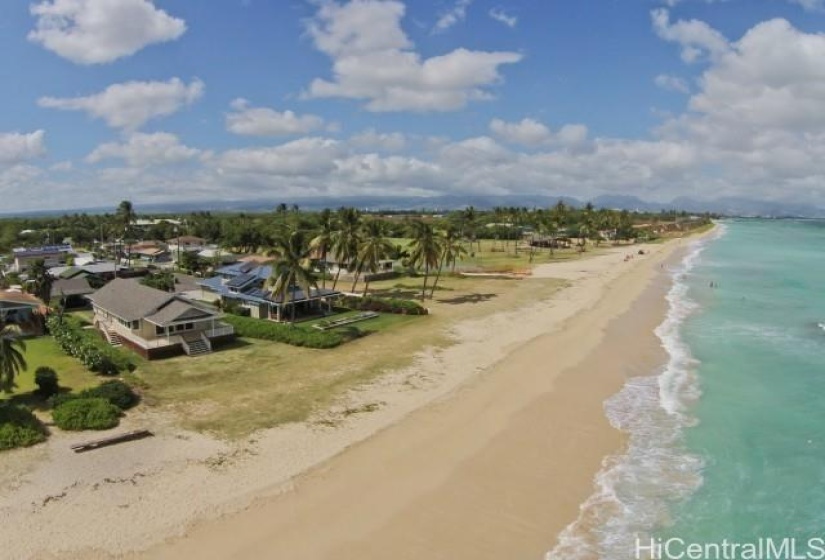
[(189, 326), (135, 325), (159, 331)]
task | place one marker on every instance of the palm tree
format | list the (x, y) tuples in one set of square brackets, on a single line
[(125, 214), (12, 359), (468, 226), (124, 218), (344, 242), (42, 287), (292, 270), (374, 247), (586, 226), (425, 250), (322, 242), (451, 249)]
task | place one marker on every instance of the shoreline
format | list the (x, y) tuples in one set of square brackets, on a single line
[(431, 485), (319, 470)]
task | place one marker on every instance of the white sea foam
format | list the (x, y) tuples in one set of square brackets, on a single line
[(634, 490)]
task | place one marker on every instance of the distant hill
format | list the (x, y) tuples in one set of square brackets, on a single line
[(730, 206)]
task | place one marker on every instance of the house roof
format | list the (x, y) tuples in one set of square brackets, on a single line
[(257, 259), (179, 310), (188, 239), (14, 296), (72, 287), (129, 299), (41, 251)]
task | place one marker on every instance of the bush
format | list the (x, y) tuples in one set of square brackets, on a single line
[(46, 380), (115, 391), (60, 398), (384, 305), (86, 414), (87, 346), (19, 427), (288, 334)]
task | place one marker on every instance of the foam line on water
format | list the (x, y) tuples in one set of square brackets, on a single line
[(634, 489)]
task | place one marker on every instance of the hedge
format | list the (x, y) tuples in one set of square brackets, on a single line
[(86, 414), (384, 305), (19, 427), (279, 332), (87, 346)]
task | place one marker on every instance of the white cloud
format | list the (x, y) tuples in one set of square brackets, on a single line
[(454, 15), (263, 121), (529, 132), (130, 105), (773, 78), (373, 60), (370, 139), (16, 147), (671, 83), (307, 156), (144, 150), (695, 37), (501, 16), (101, 31)]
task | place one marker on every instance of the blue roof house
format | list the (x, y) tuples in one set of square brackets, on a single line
[(245, 284)]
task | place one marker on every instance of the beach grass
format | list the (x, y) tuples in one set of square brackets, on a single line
[(256, 384)]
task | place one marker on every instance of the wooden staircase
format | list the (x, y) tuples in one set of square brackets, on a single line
[(113, 338), (196, 344)]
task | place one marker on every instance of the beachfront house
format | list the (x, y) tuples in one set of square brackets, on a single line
[(244, 284), (154, 323)]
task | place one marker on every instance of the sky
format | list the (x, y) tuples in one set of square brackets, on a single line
[(181, 100)]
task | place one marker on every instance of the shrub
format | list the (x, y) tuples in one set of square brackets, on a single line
[(115, 391), (60, 398), (288, 334), (384, 305), (19, 427), (87, 346), (46, 380), (86, 414)]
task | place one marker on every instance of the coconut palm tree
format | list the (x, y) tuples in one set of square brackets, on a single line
[(469, 220), (374, 246), (12, 359), (344, 241), (292, 270), (322, 242), (125, 214), (42, 285), (425, 250), (451, 250)]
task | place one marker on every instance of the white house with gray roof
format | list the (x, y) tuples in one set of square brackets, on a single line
[(154, 323)]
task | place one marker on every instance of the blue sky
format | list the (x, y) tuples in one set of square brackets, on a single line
[(234, 99)]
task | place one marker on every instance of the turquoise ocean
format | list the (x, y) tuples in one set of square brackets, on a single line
[(727, 439)]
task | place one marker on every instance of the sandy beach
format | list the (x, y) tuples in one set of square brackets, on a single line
[(488, 454)]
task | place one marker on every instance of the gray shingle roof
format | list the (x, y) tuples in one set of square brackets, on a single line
[(177, 311), (72, 287), (129, 300)]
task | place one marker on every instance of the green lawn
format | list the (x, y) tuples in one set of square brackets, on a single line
[(44, 351), (376, 324)]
